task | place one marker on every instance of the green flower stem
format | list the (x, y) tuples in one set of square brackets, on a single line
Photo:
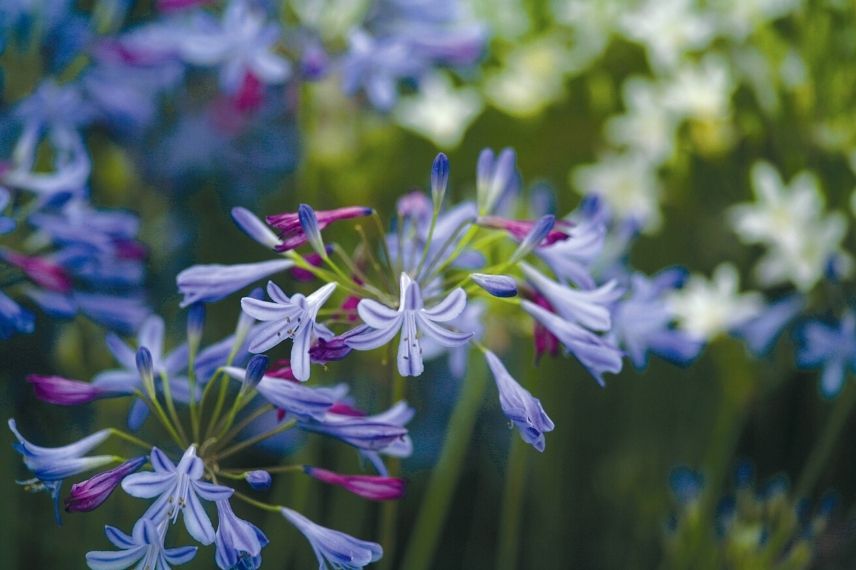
[(382, 237), (170, 406), (155, 407), (258, 504), (441, 253), (512, 505), (389, 510), (220, 375), (250, 418), (441, 487), (427, 246), (191, 378), (823, 448), (254, 440), (130, 438), (737, 385)]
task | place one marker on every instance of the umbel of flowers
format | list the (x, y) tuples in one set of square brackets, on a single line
[(204, 400), (429, 285)]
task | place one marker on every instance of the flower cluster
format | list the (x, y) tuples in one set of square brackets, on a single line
[(210, 404), (430, 286), (755, 528)]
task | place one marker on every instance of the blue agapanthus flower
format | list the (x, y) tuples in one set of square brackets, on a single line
[(830, 347)]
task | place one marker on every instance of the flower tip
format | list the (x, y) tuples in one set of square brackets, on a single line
[(255, 370), (502, 286), (439, 178), (145, 364)]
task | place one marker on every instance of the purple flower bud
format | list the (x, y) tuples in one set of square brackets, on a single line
[(255, 370), (90, 494), (309, 224), (539, 232), (496, 285), (291, 228), (63, 391), (259, 480), (146, 368), (371, 487), (195, 323), (439, 179)]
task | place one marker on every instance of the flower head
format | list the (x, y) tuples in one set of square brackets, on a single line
[(334, 548)]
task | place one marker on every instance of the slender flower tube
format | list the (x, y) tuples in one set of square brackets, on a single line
[(288, 318), (291, 230), (519, 406), (239, 543), (369, 433), (57, 463), (144, 545), (411, 318), (519, 229), (178, 489), (494, 177), (594, 353), (301, 401), (64, 391), (208, 283), (332, 547), (90, 494), (309, 226), (255, 228), (370, 487)]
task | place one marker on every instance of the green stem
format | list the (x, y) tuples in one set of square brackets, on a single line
[(191, 378), (258, 504), (389, 510), (441, 487), (232, 433), (254, 440), (170, 406), (826, 444), (130, 438), (512, 506)]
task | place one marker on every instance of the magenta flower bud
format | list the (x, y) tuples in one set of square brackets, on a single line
[(520, 229), (41, 271), (90, 494), (259, 480), (63, 391), (371, 487), (291, 228)]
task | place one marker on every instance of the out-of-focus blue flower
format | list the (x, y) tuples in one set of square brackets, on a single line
[(686, 485), (411, 318), (831, 348), (178, 489), (761, 332), (334, 548), (519, 406), (14, 319), (369, 433), (292, 318), (238, 542), (496, 177), (143, 546), (643, 323), (241, 44), (208, 283)]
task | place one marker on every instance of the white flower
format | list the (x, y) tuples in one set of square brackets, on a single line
[(628, 183), (706, 309), (669, 29), (789, 220), (701, 91), (532, 77), (439, 111), (647, 126), (739, 18)]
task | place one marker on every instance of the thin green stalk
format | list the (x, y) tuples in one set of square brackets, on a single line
[(239, 427), (444, 479), (449, 259), (508, 548), (130, 438), (254, 440), (258, 504), (170, 406), (389, 510), (819, 457), (191, 379)]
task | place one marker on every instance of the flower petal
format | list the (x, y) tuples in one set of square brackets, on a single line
[(449, 308)]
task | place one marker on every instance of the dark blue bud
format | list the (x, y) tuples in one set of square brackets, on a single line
[(259, 480), (439, 179), (496, 285), (255, 370)]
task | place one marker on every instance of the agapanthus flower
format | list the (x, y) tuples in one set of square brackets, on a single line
[(412, 319), (178, 490), (208, 283), (332, 547), (143, 547), (830, 347), (519, 406), (288, 318), (239, 543)]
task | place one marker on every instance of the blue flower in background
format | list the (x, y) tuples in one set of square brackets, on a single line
[(830, 347), (334, 548)]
